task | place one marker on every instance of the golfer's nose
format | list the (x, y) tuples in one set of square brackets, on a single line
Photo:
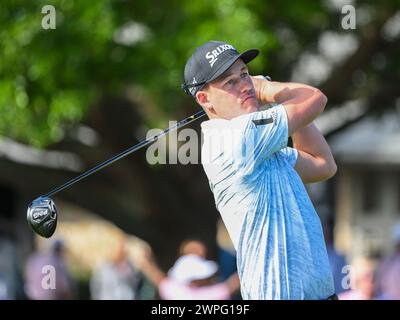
[(246, 84)]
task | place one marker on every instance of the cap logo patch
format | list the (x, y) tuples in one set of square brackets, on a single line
[(212, 56)]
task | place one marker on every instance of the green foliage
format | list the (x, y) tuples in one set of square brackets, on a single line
[(49, 78)]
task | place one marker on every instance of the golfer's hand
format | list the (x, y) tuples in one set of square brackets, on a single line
[(260, 82)]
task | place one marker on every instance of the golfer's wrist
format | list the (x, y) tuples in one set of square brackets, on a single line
[(264, 91)]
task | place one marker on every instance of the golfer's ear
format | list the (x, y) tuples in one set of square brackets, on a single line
[(202, 99)]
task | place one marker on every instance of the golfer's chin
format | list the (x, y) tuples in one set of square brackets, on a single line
[(250, 105)]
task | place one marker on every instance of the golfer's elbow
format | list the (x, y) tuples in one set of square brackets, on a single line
[(324, 99), (330, 169), (315, 106), (320, 101), (306, 109)]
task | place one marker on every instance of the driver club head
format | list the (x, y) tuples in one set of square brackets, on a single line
[(42, 216)]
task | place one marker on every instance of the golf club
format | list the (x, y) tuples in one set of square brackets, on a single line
[(42, 212)]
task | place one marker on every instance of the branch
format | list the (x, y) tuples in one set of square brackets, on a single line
[(371, 41)]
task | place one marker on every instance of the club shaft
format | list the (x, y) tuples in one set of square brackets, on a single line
[(126, 152)]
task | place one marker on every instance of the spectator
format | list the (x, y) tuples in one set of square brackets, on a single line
[(191, 278), (336, 260), (118, 279), (388, 276), (362, 281), (11, 281), (193, 246), (47, 276)]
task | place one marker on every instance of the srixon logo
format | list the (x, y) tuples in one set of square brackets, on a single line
[(212, 56)]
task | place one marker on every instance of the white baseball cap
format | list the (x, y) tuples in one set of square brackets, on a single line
[(192, 267)]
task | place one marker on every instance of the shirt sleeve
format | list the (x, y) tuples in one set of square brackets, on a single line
[(266, 132), (290, 154)]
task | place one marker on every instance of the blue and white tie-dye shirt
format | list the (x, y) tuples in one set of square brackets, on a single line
[(281, 253)]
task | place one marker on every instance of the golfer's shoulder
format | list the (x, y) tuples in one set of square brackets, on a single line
[(262, 119)]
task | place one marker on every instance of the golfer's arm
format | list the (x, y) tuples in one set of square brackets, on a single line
[(315, 161), (302, 103)]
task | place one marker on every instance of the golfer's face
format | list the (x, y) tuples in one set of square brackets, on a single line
[(233, 93)]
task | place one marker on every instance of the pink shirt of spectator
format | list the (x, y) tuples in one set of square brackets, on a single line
[(173, 290)]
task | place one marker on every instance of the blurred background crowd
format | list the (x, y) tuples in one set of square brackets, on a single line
[(76, 92)]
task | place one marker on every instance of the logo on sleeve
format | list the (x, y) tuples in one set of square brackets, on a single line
[(260, 122)]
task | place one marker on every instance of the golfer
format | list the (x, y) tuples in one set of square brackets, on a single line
[(260, 193)]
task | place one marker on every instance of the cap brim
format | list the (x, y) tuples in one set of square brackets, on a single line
[(246, 56), (249, 55)]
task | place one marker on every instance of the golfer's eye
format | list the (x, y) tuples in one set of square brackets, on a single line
[(244, 74), (229, 83)]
